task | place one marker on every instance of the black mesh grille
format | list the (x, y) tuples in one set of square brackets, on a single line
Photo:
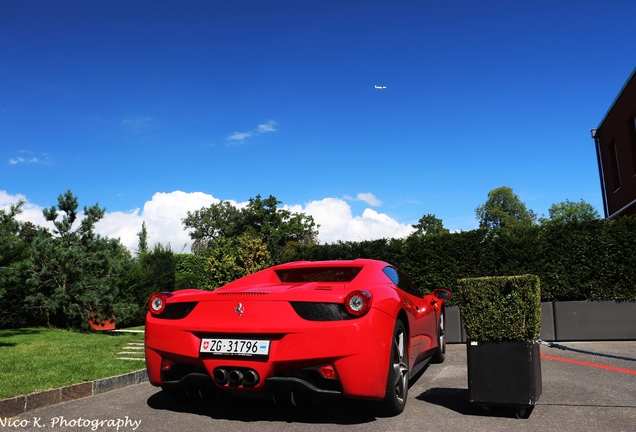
[(177, 310), (321, 311)]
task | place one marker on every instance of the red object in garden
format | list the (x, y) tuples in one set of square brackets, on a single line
[(105, 325), (298, 332)]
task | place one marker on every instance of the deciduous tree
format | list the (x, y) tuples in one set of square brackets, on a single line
[(261, 218), (571, 211), (504, 209), (429, 225)]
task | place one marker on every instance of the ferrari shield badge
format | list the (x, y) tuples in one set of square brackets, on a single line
[(239, 309)]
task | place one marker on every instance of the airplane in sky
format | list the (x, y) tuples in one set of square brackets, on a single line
[(379, 87)]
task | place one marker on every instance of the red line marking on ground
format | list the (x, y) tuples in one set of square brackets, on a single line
[(595, 365)]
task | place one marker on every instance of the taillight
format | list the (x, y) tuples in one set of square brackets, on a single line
[(166, 364), (157, 303), (328, 372), (358, 302)]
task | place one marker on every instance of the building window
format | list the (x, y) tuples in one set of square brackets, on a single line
[(615, 173)]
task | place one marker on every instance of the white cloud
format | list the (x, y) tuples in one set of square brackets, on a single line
[(18, 160), (6, 200), (162, 214), (27, 158), (368, 198), (164, 211), (266, 127), (338, 223), (239, 136), (261, 128), (30, 212)]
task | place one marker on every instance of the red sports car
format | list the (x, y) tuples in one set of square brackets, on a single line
[(296, 332)]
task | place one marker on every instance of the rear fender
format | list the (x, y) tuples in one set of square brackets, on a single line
[(365, 375)]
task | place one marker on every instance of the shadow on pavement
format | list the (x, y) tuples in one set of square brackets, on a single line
[(343, 412), (456, 399)]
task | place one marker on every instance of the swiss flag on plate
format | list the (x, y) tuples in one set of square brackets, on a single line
[(206, 344)]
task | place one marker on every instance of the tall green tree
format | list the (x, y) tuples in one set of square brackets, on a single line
[(73, 272), (10, 244), (571, 211), (142, 245), (429, 225), (209, 223), (504, 209), (261, 218), (15, 239)]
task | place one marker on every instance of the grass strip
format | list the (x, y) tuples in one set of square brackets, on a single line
[(37, 359)]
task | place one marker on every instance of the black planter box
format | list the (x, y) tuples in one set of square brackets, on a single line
[(506, 373)]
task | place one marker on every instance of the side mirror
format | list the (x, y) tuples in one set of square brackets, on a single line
[(441, 294)]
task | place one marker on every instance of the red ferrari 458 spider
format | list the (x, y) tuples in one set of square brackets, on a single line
[(296, 332)]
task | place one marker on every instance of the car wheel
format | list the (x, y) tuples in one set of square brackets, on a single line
[(440, 353), (397, 385)]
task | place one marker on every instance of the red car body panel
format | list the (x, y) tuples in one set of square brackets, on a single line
[(259, 306)]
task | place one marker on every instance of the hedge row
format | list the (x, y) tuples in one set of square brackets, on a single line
[(593, 260)]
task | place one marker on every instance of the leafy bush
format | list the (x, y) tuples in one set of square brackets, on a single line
[(150, 272), (190, 272), (500, 308), (229, 259)]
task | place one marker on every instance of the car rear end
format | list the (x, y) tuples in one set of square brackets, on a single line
[(286, 340)]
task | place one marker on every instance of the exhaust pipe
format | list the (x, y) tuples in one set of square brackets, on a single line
[(220, 376), (235, 378), (250, 378)]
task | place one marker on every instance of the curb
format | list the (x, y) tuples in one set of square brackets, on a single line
[(20, 404)]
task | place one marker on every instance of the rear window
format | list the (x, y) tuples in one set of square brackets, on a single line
[(318, 274)]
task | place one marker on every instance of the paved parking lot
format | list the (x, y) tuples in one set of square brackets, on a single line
[(580, 393)]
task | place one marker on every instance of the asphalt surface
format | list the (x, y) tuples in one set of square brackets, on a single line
[(580, 393)]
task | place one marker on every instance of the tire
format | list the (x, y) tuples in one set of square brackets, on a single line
[(397, 384), (440, 353)]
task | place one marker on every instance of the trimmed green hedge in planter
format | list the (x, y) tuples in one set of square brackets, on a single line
[(502, 317), (500, 308)]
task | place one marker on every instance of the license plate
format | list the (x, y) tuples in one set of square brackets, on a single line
[(241, 347)]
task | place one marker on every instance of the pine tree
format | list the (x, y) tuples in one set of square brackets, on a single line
[(73, 272)]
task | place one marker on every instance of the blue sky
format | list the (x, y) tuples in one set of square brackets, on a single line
[(153, 108)]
